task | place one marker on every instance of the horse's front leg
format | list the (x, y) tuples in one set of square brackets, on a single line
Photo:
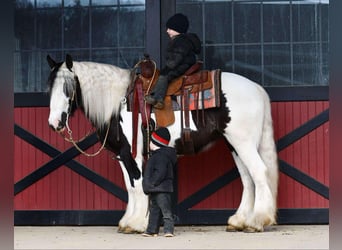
[(136, 217)]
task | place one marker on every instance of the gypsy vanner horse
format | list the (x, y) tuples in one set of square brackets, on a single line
[(244, 120)]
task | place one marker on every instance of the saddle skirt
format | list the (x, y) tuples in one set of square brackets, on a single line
[(195, 90)]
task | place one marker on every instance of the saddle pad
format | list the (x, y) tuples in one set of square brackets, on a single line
[(209, 98)]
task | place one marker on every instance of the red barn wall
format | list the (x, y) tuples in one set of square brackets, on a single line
[(65, 190)]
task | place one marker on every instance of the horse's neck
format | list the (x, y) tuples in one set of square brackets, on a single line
[(103, 87), (95, 73)]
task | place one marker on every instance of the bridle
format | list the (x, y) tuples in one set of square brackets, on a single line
[(129, 91)]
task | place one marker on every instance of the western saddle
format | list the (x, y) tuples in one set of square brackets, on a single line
[(186, 88)]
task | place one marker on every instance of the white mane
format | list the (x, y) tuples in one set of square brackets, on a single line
[(103, 87)]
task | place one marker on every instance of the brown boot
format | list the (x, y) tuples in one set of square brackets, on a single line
[(150, 99), (156, 97), (159, 104)]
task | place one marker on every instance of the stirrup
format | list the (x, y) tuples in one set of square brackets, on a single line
[(159, 105)]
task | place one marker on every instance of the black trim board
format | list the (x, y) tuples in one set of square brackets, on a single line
[(298, 93), (52, 165), (38, 99), (209, 189), (303, 130), (190, 217), (227, 178), (186, 215), (153, 31), (304, 179), (67, 217), (285, 216), (59, 159), (284, 167), (219, 182), (277, 94)]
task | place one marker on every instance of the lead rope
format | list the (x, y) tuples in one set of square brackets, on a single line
[(70, 139)]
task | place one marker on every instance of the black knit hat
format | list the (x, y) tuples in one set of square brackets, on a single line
[(161, 137), (178, 22)]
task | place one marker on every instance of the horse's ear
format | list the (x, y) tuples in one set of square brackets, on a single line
[(50, 61), (68, 61)]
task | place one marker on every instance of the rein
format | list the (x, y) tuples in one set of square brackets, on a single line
[(70, 139), (140, 104)]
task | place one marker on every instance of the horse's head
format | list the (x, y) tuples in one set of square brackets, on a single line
[(63, 84)]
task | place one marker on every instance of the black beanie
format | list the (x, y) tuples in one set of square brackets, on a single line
[(178, 22), (161, 137)]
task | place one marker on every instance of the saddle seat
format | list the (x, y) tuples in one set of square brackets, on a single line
[(193, 81), (196, 89)]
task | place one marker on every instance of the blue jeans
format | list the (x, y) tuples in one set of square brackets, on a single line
[(160, 207)]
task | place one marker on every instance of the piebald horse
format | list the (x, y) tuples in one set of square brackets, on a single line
[(243, 119)]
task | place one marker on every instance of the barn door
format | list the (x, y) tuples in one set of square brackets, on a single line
[(55, 185)]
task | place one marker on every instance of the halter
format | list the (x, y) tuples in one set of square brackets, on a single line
[(70, 139)]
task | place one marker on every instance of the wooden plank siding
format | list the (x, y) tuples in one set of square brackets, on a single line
[(62, 188), (310, 154), (208, 181)]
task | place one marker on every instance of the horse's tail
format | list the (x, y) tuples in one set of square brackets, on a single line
[(267, 148)]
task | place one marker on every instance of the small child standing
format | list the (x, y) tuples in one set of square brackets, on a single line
[(158, 183)]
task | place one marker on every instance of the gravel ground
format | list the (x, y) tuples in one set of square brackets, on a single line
[(186, 237)]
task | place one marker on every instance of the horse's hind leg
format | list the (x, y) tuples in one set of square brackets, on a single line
[(264, 210), (237, 222)]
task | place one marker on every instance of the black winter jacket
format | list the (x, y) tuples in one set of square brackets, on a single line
[(181, 55), (159, 171)]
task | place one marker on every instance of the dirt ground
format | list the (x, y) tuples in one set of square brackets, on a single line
[(186, 237)]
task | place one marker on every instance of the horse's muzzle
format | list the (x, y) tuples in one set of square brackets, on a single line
[(52, 127), (59, 128), (59, 125)]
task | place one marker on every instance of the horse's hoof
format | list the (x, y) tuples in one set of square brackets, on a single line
[(252, 230), (231, 228), (129, 230), (120, 229)]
